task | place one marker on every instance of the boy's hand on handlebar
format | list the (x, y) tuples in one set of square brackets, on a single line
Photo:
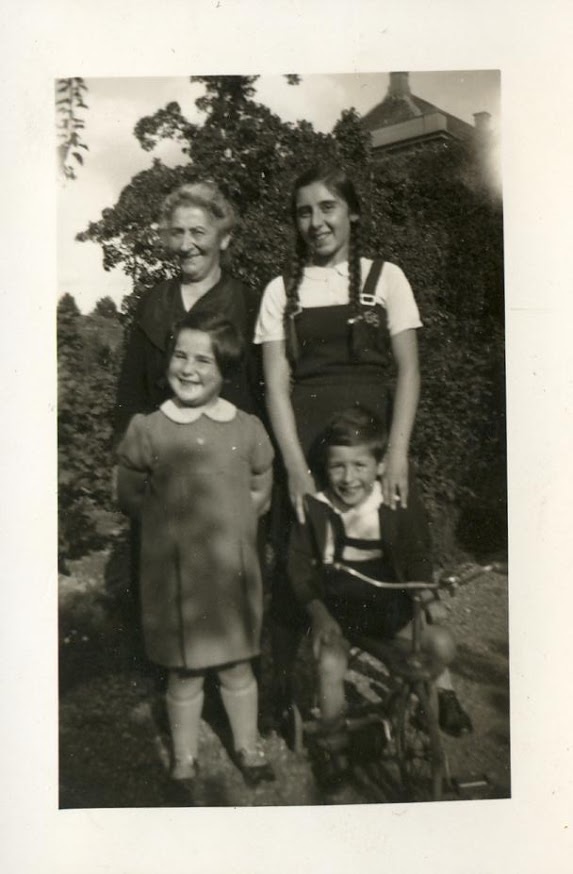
[(436, 612), (395, 479), (300, 483)]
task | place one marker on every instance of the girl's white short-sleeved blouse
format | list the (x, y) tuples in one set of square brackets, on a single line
[(328, 286)]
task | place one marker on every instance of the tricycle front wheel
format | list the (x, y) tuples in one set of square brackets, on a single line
[(421, 757)]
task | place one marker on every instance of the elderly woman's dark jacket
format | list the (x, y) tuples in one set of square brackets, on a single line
[(142, 384)]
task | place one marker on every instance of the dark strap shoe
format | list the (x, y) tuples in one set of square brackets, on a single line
[(254, 766), (452, 717)]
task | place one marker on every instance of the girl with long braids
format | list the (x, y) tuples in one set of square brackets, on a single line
[(332, 331)]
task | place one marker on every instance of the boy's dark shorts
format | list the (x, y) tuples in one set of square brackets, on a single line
[(368, 612)]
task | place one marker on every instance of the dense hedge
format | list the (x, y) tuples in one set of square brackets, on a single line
[(442, 224), (88, 358)]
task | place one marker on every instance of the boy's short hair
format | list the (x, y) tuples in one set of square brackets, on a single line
[(227, 341), (355, 426)]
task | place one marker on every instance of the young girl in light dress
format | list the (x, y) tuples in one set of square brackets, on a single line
[(197, 472)]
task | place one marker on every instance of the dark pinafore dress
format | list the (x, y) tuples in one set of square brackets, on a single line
[(341, 363)]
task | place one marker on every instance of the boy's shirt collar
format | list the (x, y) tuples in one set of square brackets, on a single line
[(373, 502), (221, 411), (362, 523)]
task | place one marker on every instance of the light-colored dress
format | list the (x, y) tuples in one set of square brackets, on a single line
[(189, 483)]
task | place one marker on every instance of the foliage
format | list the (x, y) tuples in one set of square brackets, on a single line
[(70, 95), (106, 307), (439, 221), (87, 375), (429, 211)]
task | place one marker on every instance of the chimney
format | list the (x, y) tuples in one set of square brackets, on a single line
[(399, 85), (482, 122)]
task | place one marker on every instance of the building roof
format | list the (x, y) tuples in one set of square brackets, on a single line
[(410, 117)]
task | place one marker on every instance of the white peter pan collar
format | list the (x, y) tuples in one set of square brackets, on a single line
[(221, 411)]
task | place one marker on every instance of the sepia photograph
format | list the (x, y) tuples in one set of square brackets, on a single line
[(286, 298), (282, 478)]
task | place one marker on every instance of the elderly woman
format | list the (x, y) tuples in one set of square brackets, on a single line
[(196, 223)]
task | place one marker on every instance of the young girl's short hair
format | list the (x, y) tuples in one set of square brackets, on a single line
[(355, 426), (205, 194), (227, 342)]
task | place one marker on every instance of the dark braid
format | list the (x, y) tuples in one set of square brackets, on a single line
[(354, 269), (292, 280)]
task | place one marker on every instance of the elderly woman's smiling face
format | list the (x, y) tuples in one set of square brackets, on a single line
[(197, 242)]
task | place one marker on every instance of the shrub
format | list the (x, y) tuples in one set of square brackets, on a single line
[(87, 376)]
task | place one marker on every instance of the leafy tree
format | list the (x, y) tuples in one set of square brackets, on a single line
[(106, 307), (353, 143), (68, 311), (70, 95)]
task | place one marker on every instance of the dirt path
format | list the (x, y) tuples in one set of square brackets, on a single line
[(113, 746)]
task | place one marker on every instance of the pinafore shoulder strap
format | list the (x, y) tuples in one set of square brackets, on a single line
[(368, 294)]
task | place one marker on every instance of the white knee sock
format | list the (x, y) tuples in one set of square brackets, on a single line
[(184, 720), (241, 706)]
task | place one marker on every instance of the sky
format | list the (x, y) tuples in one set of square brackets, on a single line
[(114, 156)]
